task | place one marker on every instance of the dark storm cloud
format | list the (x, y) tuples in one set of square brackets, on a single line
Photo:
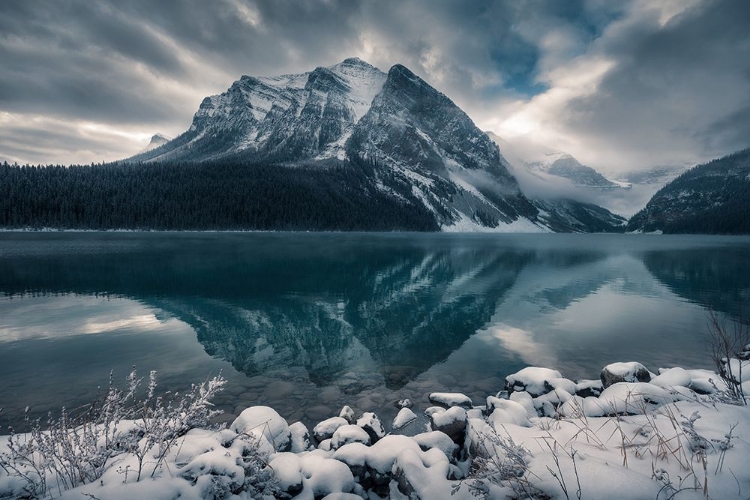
[(678, 91)]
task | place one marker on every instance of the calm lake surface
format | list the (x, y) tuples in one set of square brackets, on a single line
[(309, 322)]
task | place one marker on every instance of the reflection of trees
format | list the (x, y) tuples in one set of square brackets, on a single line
[(717, 278)]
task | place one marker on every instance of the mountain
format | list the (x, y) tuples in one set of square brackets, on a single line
[(710, 198), (157, 140), (527, 154), (418, 147), (653, 176)]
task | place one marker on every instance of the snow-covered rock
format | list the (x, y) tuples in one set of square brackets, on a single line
[(431, 410), (266, 422), (349, 434), (525, 400), (348, 414), (451, 422), (287, 468), (532, 379), (672, 377), (422, 475), (372, 425), (438, 440), (325, 429), (404, 417), (449, 399), (300, 437), (624, 372), (324, 476), (586, 388), (505, 411)]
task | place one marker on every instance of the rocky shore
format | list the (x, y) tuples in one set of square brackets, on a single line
[(629, 434)]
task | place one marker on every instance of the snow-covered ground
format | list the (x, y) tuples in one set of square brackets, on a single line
[(630, 434)]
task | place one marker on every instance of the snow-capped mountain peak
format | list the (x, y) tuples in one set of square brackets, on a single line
[(417, 146), (157, 140)]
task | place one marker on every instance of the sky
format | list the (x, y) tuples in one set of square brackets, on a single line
[(622, 85)]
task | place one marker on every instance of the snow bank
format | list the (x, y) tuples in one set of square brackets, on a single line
[(648, 439)]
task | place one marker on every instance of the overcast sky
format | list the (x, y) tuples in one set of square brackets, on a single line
[(622, 85)]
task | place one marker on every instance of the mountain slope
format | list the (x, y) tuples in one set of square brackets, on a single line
[(416, 143), (284, 118), (709, 198)]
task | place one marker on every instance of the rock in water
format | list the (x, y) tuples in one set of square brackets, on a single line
[(449, 399), (372, 425)]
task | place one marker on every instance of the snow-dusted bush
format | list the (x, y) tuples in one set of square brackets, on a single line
[(76, 449), (728, 351)]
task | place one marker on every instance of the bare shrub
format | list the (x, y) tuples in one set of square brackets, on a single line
[(499, 460)]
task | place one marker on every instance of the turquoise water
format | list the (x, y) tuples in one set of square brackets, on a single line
[(309, 322)]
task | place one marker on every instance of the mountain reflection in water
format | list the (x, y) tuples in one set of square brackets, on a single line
[(307, 321)]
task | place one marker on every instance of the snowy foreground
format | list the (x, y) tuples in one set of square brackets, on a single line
[(632, 434)]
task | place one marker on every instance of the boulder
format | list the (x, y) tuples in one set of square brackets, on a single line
[(624, 372), (287, 469), (300, 436), (532, 379), (451, 422), (349, 434), (347, 413), (672, 377), (262, 420), (450, 399), (588, 388), (504, 411), (404, 417), (372, 425), (325, 429)]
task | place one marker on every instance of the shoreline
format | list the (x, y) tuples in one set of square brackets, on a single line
[(539, 435)]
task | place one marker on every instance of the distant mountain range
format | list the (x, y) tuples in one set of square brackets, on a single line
[(422, 148), (525, 154), (710, 198)]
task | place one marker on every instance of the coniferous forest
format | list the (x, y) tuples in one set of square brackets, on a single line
[(217, 195)]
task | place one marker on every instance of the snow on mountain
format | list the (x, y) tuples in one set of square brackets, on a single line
[(528, 154), (419, 147), (157, 140)]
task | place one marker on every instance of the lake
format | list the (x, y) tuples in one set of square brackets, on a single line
[(309, 322)]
